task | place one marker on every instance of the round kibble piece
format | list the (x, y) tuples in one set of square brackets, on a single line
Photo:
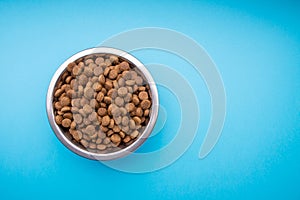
[(99, 60), (145, 104), (139, 80), (87, 109), (125, 120), (66, 123), (130, 107), (119, 101), (115, 138), (65, 101), (58, 119), (98, 71), (90, 129), (122, 91), (83, 79), (102, 112), (89, 93), (124, 66), (113, 74), (143, 95), (105, 120)]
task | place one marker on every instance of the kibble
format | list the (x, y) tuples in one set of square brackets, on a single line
[(103, 102), (66, 123)]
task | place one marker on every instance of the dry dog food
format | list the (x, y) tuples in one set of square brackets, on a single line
[(102, 102)]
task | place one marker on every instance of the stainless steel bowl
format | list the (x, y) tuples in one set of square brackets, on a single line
[(122, 152)]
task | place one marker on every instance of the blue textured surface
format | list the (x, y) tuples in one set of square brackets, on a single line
[(256, 47)]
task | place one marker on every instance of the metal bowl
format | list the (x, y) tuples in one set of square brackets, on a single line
[(122, 152)]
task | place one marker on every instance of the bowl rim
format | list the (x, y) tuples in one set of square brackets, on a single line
[(122, 152)]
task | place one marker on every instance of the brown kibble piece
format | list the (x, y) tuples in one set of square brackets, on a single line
[(93, 117), (122, 91), (113, 74), (66, 123), (145, 104), (98, 141), (109, 133), (97, 87), (84, 143), (99, 60), (98, 71), (87, 109), (101, 146), (118, 120), (105, 120), (108, 84), (73, 125), (102, 79), (58, 92), (103, 129), (119, 101), (113, 59), (90, 130), (57, 105), (100, 96), (58, 119), (88, 93), (130, 82), (76, 71), (126, 139), (88, 71), (112, 93), (111, 123), (92, 145), (68, 115), (77, 135), (131, 124), (135, 100), (122, 134), (106, 71), (116, 128), (88, 61), (121, 82), (94, 104), (142, 88), (107, 100), (130, 107), (82, 79), (125, 121), (139, 112), (143, 95), (146, 112), (124, 66), (123, 111), (65, 101), (102, 112), (106, 140), (137, 120), (134, 134), (139, 80), (70, 66), (115, 138)]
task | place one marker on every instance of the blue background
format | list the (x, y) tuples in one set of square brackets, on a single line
[(256, 46)]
